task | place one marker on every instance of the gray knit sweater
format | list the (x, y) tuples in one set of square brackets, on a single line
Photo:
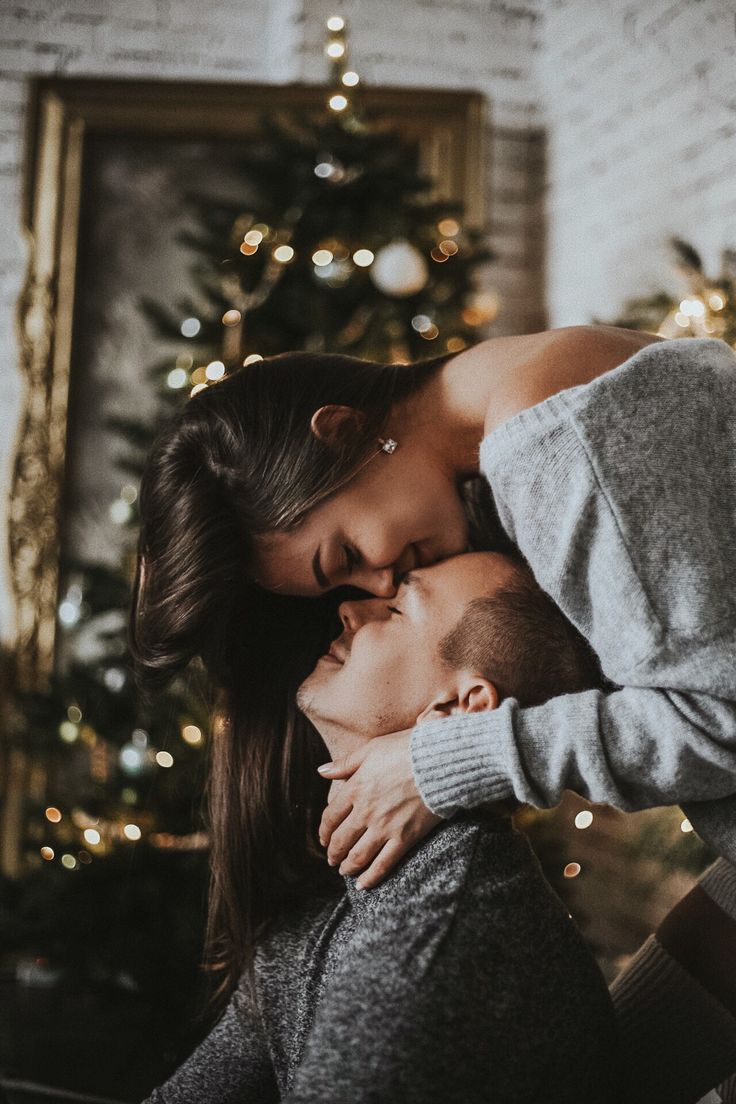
[(621, 494), (460, 979)]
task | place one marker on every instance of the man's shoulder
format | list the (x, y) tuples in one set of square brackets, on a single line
[(472, 852)]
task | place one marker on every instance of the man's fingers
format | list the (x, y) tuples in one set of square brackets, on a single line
[(361, 854), (333, 816), (343, 838), (383, 863)]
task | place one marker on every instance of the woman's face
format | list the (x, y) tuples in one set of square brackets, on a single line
[(399, 512)]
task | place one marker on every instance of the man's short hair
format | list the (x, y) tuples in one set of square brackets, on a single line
[(521, 641)]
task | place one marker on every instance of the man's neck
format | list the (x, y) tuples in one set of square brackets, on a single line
[(339, 742)]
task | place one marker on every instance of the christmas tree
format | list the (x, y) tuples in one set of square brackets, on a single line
[(339, 246)]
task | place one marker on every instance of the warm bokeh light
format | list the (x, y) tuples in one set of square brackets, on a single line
[(253, 237), (322, 257), (336, 23), (335, 49), (47, 853), (363, 258), (584, 819), (283, 254), (231, 317), (190, 734), (53, 814), (164, 759), (338, 102), (190, 327), (350, 78), (252, 358), (196, 389), (572, 870), (132, 832), (448, 227), (91, 836)]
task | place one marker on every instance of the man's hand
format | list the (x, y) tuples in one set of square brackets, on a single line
[(374, 817)]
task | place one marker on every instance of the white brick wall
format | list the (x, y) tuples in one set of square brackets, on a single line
[(478, 44), (640, 104)]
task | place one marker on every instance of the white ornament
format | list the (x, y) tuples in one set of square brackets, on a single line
[(399, 269)]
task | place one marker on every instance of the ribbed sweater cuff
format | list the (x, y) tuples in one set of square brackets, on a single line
[(452, 764), (719, 882), (674, 1033)]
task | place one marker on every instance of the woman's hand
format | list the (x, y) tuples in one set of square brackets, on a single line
[(375, 816)]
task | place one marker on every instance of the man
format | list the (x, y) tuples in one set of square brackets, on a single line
[(461, 977)]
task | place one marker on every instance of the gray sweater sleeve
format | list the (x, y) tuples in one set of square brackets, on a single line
[(621, 495), (232, 1065)]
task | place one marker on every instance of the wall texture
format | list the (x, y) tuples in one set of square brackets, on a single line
[(640, 104), (487, 45)]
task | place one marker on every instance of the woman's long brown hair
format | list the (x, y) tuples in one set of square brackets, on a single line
[(239, 460)]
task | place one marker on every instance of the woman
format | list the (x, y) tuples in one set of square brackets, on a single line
[(304, 474)]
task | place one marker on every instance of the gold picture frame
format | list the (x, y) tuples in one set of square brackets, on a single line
[(448, 127)]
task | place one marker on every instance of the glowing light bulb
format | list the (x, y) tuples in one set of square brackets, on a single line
[(335, 49), (191, 734), (350, 78), (336, 23), (338, 102)]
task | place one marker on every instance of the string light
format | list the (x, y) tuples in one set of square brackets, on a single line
[(92, 836), (283, 254), (686, 826), (164, 759), (192, 735), (584, 819), (196, 389), (132, 832), (448, 227), (215, 370), (176, 379), (335, 49), (190, 327), (253, 237), (322, 257), (572, 870), (252, 358), (363, 258), (335, 23), (350, 78), (338, 102), (230, 318), (53, 814)]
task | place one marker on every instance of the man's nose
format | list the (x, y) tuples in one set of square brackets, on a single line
[(355, 613)]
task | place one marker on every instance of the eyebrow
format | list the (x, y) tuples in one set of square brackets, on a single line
[(319, 574), (411, 579)]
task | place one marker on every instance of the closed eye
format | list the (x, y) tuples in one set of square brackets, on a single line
[(393, 609), (351, 558)]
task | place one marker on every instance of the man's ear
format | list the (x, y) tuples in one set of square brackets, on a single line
[(335, 424), (472, 694), (476, 694)]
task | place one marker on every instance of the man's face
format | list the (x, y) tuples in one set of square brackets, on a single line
[(384, 670)]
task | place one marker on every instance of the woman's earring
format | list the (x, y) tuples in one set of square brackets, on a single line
[(388, 445)]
